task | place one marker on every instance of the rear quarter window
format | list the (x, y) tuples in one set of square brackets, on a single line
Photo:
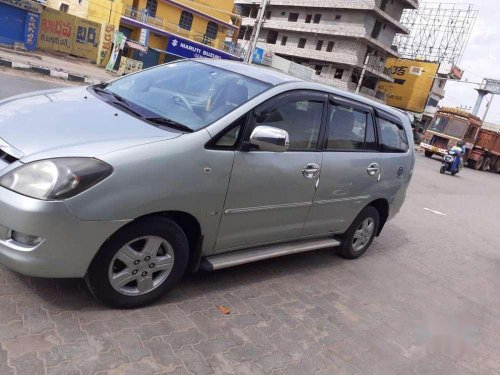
[(393, 137)]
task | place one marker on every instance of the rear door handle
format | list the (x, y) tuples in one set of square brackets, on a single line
[(373, 169), (311, 171)]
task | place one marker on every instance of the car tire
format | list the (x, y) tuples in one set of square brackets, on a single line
[(442, 170), (130, 255), (350, 247), (428, 154)]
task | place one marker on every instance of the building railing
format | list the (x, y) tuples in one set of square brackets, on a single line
[(141, 15)]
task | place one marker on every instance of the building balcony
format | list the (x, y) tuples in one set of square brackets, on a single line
[(141, 16)]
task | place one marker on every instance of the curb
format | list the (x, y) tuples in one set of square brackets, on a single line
[(48, 72)]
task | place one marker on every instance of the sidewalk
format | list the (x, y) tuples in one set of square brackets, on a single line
[(56, 65)]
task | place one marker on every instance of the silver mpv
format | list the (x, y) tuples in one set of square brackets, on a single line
[(194, 164)]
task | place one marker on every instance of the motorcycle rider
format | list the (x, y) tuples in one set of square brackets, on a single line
[(459, 148)]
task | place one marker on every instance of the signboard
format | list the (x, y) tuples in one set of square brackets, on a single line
[(106, 44), (31, 30), (413, 82), (189, 49), (258, 55), (62, 32), (491, 85), (28, 5)]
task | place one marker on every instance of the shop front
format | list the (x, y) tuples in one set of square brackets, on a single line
[(19, 22)]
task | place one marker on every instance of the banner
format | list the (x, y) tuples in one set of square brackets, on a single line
[(118, 44), (413, 80), (69, 34), (128, 66)]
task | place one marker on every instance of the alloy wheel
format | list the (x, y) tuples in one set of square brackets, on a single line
[(363, 234)]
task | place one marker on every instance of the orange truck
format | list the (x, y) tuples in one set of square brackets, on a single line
[(451, 125)]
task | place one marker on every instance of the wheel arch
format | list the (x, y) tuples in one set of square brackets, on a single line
[(382, 206)]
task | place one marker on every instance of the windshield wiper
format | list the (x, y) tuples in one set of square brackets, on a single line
[(168, 122), (126, 107)]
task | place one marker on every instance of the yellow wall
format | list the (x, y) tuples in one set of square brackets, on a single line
[(75, 8)]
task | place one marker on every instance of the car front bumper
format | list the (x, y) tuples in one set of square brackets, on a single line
[(69, 244)]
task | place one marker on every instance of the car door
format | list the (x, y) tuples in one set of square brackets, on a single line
[(396, 161), (270, 193), (350, 170)]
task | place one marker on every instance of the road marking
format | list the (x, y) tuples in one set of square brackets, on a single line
[(435, 212)]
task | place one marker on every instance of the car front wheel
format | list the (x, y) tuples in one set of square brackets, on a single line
[(139, 263), (360, 234)]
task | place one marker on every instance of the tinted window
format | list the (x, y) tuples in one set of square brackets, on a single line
[(350, 129), (393, 137), (230, 138), (301, 119)]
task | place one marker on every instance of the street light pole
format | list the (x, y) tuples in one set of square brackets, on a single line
[(256, 31)]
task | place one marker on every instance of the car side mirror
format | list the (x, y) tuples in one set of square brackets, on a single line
[(271, 139)]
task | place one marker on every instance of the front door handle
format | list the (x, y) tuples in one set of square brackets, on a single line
[(373, 169), (311, 171)]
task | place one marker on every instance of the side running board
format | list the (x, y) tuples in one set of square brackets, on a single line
[(235, 258)]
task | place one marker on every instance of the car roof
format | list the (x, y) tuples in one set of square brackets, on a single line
[(265, 74)]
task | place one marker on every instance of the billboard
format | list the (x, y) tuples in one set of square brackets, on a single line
[(65, 33), (187, 48), (413, 82)]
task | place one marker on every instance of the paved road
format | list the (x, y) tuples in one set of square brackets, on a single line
[(424, 300), (14, 83)]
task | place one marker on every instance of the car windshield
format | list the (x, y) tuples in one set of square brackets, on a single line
[(188, 94)]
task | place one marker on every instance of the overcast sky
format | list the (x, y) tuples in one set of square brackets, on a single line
[(481, 59)]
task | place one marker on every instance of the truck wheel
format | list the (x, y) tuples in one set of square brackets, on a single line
[(360, 234), (486, 164), (139, 263), (479, 163), (497, 167), (428, 154)]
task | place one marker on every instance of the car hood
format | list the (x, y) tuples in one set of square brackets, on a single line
[(70, 122)]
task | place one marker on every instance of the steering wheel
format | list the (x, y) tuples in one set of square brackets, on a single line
[(181, 100)]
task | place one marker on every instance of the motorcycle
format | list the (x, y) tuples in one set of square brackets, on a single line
[(451, 163)]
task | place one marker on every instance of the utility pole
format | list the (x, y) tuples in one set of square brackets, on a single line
[(363, 72), (256, 30)]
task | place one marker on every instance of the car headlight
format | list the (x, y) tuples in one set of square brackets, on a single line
[(56, 179)]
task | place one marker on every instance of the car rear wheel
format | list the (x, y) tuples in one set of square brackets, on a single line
[(139, 263), (360, 234)]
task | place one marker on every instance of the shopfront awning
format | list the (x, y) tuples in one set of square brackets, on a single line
[(136, 46)]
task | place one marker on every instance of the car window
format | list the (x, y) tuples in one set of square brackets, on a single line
[(229, 139), (188, 92), (393, 137), (300, 118), (350, 129)]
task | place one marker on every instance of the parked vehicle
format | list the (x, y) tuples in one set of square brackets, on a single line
[(451, 125), (451, 162), (194, 164)]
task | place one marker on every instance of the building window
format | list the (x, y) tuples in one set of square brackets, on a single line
[(302, 43), (318, 69), (272, 37), (284, 39), (309, 18), (268, 15), (186, 20), (319, 45), (151, 6), (317, 18), (339, 74), (212, 30), (64, 8), (338, 17), (329, 47), (293, 17)]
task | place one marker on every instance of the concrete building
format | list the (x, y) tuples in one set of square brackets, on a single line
[(335, 37)]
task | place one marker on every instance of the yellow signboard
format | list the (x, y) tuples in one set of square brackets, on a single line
[(62, 32), (412, 85)]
